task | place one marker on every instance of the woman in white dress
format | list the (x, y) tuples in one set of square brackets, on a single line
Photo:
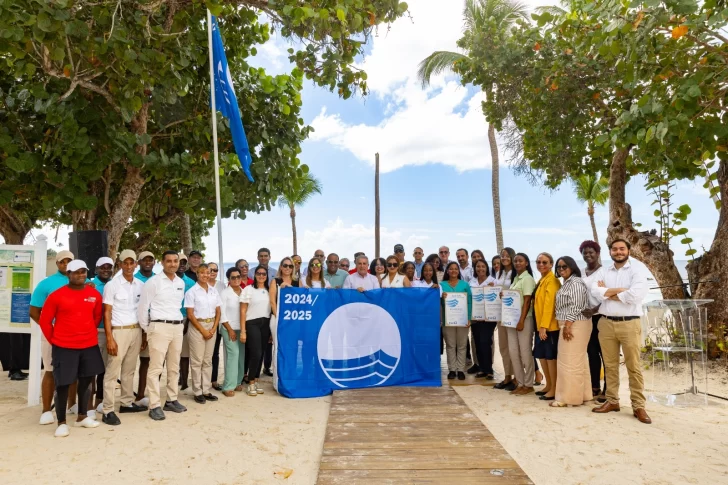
[(392, 278), (315, 275)]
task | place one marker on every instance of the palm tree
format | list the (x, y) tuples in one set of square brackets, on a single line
[(594, 190), (476, 14), (296, 197)]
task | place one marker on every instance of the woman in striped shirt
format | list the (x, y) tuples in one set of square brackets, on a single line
[(573, 387)]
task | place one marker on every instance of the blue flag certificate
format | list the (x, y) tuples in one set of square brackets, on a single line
[(227, 102), (329, 340)]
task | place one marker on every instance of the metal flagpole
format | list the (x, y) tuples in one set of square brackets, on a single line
[(213, 107)]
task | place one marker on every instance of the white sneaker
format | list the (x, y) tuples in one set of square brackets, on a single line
[(73, 409), (86, 423), (251, 390), (61, 431), (47, 418), (142, 402), (91, 414), (100, 408), (259, 389)]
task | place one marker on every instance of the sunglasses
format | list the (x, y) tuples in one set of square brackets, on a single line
[(562, 267), (287, 266), (297, 261), (344, 265), (542, 262), (392, 265), (235, 277), (399, 251), (261, 274), (316, 265), (444, 252), (332, 262), (213, 270), (320, 256)]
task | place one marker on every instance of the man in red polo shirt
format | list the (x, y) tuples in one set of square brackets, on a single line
[(68, 320)]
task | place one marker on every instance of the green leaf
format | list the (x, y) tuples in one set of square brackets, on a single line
[(341, 15), (694, 91), (650, 133)]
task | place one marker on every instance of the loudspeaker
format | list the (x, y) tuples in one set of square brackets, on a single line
[(89, 246)]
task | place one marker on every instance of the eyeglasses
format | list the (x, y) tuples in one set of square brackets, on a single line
[(392, 265), (243, 266), (287, 266), (261, 274), (562, 267), (235, 277), (318, 256), (444, 252), (344, 265), (543, 262), (331, 262), (316, 265)]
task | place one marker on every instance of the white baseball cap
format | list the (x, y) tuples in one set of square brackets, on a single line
[(104, 260), (75, 265)]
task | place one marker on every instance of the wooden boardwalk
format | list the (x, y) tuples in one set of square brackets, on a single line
[(410, 435)]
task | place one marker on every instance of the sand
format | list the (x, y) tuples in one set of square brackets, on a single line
[(244, 440)]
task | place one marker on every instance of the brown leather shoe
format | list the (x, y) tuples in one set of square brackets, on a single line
[(607, 407), (642, 416)]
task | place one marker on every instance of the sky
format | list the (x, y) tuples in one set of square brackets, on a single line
[(435, 166)]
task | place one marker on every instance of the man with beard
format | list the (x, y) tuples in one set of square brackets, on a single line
[(184, 359), (620, 287)]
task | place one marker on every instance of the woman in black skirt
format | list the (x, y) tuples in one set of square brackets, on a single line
[(547, 327)]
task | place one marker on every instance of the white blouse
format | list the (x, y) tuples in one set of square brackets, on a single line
[(258, 301), (231, 308), (203, 302), (486, 282), (314, 284), (397, 282), (588, 281), (423, 284)]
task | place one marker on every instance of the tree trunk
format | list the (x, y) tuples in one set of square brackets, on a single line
[(293, 228), (648, 248), (495, 188), (590, 211), (130, 189), (186, 234), (377, 246), (14, 226), (714, 265)]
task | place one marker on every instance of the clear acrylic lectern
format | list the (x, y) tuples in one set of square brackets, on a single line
[(675, 351)]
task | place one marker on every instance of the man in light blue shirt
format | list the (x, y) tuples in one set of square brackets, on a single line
[(146, 265), (333, 274)]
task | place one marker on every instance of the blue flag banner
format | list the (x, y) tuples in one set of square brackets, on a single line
[(227, 102), (329, 340)]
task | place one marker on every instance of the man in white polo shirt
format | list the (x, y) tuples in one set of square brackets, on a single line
[(159, 316), (361, 280), (123, 337)]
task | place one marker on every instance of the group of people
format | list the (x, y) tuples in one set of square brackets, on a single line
[(96, 332)]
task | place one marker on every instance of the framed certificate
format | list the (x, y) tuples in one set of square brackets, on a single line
[(456, 309), (511, 308), (492, 302), (478, 311)]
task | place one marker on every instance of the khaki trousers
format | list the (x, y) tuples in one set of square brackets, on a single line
[(520, 348), (456, 343), (473, 351), (122, 365), (201, 351), (503, 347), (628, 334), (165, 344)]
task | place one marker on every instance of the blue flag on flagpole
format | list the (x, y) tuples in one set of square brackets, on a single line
[(227, 102)]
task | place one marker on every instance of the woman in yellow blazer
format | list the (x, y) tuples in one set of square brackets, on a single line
[(547, 327)]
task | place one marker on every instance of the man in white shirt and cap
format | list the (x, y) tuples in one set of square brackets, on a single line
[(123, 338), (159, 315), (361, 280), (620, 287)]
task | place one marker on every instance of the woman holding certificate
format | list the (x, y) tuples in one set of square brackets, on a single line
[(520, 337), (572, 304), (547, 340), (457, 306), (481, 328), (503, 279)]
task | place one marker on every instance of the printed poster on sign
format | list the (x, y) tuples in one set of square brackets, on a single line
[(456, 309), (511, 308), (492, 301), (478, 307), (16, 282)]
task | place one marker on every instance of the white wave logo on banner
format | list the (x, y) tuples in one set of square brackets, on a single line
[(359, 344)]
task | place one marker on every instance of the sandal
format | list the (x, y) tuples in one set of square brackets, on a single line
[(228, 393), (557, 404), (239, 388)]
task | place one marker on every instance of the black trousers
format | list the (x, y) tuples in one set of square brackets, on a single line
[(258, 331), (82, 398), (216, 357), (15, 351), (268, 359), (594, 353), (483, 342)]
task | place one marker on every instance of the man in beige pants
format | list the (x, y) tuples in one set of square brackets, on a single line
[(159, 315), (123, 338), (203, 304)]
